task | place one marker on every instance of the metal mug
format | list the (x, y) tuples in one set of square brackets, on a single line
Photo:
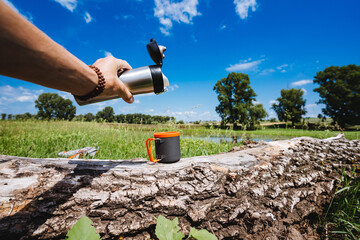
[(167, 147)]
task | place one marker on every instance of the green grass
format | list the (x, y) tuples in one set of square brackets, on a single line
[(343, 214), (280, 132), (273, 133), (42, 139)]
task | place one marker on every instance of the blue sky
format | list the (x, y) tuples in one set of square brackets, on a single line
[(280, 44)]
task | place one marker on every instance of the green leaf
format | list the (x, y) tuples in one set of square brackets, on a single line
[(82, 230), (201, 234), (167, 229)]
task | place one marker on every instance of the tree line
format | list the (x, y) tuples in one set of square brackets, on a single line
[(339, 90), (51, 106), (108, 115)]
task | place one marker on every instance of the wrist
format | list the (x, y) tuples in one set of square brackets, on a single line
[(87, 82), (99, 87)]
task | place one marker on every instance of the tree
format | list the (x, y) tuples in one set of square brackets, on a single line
[(106, 114), (53, 106), (3, 116), (89, 117), (290, 106), (256, 114), (24, 116), (10, 117), (235, 98), (339, 90)]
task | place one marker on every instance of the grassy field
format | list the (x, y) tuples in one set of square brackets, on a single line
[(44, 139), (273, 133)]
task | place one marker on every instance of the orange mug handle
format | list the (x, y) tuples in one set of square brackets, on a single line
[(149, 151)]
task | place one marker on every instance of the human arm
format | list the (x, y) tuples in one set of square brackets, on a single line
[(29, 54)]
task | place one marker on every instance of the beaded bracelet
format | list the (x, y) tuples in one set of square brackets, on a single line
[(99, 88)]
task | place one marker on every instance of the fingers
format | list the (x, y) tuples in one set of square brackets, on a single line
[(115, 62), (110, 67), (121, 64), (125, 93)]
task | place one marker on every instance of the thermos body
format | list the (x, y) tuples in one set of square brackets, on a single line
[(138, 80)]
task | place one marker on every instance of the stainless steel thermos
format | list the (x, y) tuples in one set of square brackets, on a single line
[(141, 80)]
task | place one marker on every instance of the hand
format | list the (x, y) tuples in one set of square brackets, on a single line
[(109, 67)]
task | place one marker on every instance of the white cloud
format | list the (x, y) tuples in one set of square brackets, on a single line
[(69, 4), (107, 54), (151, 110), (282, 66), (87, 17), (12, 6), (172, 87), (165, 31), (26, 98), (267, 71), (222, 27), (9, 95), (205, 114), (167, 12), (312, 109), (244, 65), (99, 106), (242, 7), (301, 82), (137, 101)]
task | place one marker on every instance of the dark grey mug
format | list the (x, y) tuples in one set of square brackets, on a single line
[(167, 147)]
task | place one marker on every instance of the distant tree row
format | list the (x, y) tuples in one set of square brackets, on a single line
[(108, 115), (24, 116), (53, 107)]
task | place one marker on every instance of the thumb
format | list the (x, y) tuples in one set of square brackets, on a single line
[(126, 94)]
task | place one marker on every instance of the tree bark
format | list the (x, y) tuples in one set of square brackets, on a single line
[(259, 191)]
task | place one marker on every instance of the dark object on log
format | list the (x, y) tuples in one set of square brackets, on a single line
[(270, 191)]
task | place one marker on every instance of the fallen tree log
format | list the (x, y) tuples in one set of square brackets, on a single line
[(260, 191)]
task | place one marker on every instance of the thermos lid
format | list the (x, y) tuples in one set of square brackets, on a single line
[(156, 52)]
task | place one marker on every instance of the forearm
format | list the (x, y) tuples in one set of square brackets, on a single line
[(27, 53)]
